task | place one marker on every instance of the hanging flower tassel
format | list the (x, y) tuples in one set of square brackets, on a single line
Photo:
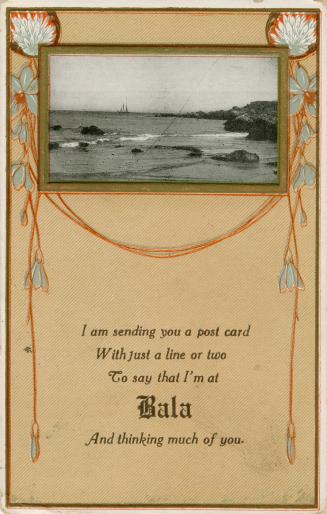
[(290, 278), (37, 276), (35, 442), (303, 218), (291, 442), (23, 217)]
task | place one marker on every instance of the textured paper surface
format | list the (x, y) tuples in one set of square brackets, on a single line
[(232, 284)]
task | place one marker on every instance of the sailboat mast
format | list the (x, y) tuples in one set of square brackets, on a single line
[(124, 108)]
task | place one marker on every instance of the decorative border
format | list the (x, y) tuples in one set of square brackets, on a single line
[(303, 110)]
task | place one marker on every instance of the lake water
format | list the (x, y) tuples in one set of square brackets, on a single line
[(109, 157)]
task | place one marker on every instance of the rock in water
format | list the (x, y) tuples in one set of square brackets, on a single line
[(92, 130), (195, 153), (53, 145), (237, 156), (56, 127), (136, 150), (84, 146), (188, 148)]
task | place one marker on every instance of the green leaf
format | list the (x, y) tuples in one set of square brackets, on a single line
[(312, 108), (302, 78), (36, 275), (309, 175), (299, 180), (44, 279), (16, 85), (14, 108), (290, 276), (18, 175), (28, 182), (303, 218), (17, 129), (313, 84), (296, 103), (294, 86), (33, 87), (306, 133), (32, 103), (282, 279), (26, 77), (23, 133)]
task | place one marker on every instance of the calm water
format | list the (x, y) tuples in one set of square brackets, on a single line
[(110, 158)]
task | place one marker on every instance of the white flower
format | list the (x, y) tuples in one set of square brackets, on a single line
[(31, 29), (298, 31)]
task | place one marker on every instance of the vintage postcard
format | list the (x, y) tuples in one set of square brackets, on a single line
[(163, 226)]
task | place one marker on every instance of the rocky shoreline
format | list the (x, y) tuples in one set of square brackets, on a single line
[(259, 119), (237, 156)]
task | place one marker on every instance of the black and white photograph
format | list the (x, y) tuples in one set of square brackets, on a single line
[(176, 118)]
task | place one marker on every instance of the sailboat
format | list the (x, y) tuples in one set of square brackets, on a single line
[(124, 108)]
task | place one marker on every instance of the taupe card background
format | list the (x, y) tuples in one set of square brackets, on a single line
[(231, 284)]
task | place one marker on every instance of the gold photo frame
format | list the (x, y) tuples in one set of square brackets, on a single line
[(46, 182)]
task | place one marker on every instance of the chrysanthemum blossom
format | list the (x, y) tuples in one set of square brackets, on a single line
[(31, 29), (298, 31)]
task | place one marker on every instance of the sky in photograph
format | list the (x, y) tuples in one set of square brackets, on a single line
[(160, 84)]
